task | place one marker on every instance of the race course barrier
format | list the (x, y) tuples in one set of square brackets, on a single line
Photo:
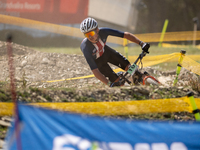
[(115, 108), (43, 129), (75, 32), (177, 46)]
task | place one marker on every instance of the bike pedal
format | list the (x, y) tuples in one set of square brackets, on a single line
[(120, 74), (146, 73)]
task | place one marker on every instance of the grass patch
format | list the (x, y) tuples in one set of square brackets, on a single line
[(132, 51), (3, 131), (155, 50)]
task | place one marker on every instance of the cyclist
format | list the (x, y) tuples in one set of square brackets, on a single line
[(98, 54)]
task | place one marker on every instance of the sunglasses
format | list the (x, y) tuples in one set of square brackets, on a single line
[(91, 33)]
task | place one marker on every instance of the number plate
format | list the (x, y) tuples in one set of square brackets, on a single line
[(132, 69)]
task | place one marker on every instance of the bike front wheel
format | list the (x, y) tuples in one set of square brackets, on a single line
[(149, 80)]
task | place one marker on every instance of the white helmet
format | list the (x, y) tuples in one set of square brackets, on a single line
[(88, 24)]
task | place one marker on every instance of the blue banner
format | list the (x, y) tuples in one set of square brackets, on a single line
[(44, 129)]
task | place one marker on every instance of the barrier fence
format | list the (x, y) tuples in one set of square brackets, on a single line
[(49, 129), (115, 108), (178, 46), (75, 32)]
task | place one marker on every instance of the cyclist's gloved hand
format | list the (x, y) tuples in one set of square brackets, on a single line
[(145, 46)]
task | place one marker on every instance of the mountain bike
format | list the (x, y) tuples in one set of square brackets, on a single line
[(135, 74)]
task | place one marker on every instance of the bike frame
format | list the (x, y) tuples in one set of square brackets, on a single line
[(132, 69)]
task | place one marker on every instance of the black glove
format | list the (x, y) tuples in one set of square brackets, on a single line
[(145, 47)]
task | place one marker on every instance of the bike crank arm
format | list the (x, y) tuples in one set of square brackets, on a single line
[(129, 82), (124, 79)]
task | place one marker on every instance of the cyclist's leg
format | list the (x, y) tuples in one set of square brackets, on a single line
[(104, 68), (118, 60), (127, 67), (114, 58), (107, 71)]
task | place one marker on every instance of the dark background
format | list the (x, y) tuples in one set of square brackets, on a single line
[(180, 13)]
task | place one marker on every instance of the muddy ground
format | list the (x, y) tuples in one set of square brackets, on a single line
[(37, 67), (39, 70)]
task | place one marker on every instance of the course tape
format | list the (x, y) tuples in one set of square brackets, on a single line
[(114, 108), (191, 65), (169, 36), (83, 77), (188, 63), (178, 46), (75, 32)]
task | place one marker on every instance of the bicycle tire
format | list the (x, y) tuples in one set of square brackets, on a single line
[(150, 80)]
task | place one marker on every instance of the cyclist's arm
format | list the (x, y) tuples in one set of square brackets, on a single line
[(131, 38), (99, 76)]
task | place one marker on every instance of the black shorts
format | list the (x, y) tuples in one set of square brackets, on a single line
[(113, 57)]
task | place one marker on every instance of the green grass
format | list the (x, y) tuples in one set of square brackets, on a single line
[(154, 50)]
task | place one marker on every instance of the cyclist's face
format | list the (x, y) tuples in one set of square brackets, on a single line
[(93, 35)]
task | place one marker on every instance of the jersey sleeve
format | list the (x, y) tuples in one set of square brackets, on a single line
[(88, 56), (112, 32)]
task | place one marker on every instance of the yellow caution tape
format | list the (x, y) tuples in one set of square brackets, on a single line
[(75, 32), (114, 108), (178, 46), (83, 77)]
